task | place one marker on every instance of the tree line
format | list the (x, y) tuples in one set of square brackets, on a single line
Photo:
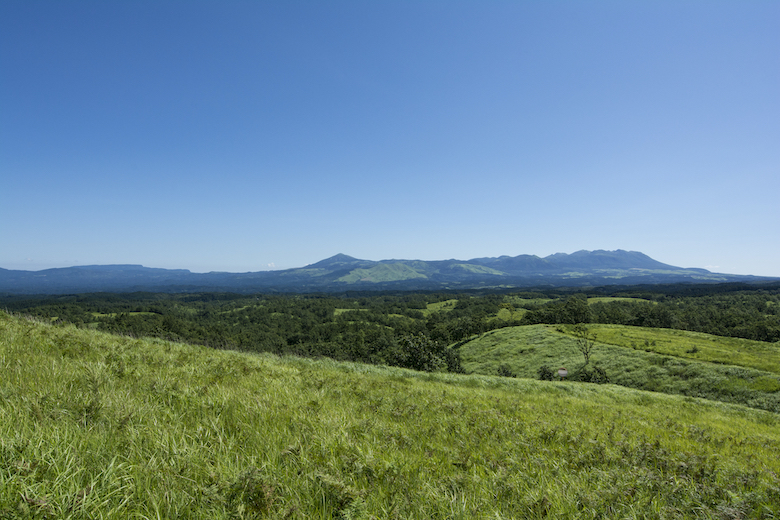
[(419, 330)]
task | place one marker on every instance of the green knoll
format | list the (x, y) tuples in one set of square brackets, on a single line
[(100, 426), (382, 273), (693, 345), (660, 360)]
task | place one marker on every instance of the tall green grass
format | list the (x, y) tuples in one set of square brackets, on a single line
[(100, 426)]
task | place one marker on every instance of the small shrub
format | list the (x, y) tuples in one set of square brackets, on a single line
[(599, 376), (504, 370), (546, 373), (594, 375)]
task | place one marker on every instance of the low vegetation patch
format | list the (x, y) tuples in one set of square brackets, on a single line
[(442, 306), (610, 299)]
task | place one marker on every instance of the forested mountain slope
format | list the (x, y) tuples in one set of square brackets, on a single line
[(340, 272)]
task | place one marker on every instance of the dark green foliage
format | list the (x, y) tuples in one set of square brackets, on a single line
[(590, 375), (546, 373), (750, 314), (504, 370), (419, 352), (573, 309), (380, 329)]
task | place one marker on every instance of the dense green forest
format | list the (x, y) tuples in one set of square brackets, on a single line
[(422, 331)]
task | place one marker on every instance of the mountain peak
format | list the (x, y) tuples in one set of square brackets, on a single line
[(340, 258), (601, 259)]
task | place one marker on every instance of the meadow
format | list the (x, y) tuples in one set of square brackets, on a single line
[(94, 425), (693, 345), (660, 360)]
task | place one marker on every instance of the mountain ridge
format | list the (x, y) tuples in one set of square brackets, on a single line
[(345, 272)]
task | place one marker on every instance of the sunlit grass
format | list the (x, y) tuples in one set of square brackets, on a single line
[(114, 314), (446, 305), (693, 345), (100, 426), (644, 366), (608, 299), (337, 312)]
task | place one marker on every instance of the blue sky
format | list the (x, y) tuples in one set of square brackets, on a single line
[(248, 135)]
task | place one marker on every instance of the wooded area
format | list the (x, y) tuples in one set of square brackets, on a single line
[(417, 330)]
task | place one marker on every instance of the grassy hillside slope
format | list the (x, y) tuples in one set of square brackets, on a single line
[(693, 345), (661, 360), (382, 273), (100, 426)]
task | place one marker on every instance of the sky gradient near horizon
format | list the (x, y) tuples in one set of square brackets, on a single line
[(252, 135)]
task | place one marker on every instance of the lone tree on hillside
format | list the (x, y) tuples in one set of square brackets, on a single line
[(585, 341)]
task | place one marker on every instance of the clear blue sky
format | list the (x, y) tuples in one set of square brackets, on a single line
[(248, 135)]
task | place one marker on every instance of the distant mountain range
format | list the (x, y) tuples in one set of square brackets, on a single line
[(343, 272)]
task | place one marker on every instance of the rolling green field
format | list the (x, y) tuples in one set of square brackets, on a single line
[(382, 273), (608, 299), (94, 425), (527, 348), (443, 306), (692, 345), (113, 314)]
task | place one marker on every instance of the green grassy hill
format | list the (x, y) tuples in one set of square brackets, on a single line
[(101, 426), (663, 360), (693, 345), (382, 273)]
